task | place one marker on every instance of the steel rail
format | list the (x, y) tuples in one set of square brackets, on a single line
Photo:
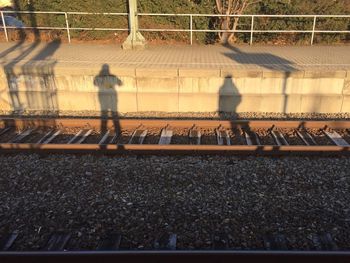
[(177, 256), (173, 149)]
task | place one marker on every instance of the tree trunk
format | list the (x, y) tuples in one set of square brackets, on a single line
[(232, 39), (225, 25), (231, 7)]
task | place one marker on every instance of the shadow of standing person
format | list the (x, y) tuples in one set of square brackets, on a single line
[(108, 99), (267, 61), (229, 98)]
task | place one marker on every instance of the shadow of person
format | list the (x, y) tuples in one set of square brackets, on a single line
[(267, 61), (108, 98), (229, 100), (229, 97)]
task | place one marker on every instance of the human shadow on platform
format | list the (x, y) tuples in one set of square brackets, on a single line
[(107, 84), (233, 92), (229, 97), (267, 61)]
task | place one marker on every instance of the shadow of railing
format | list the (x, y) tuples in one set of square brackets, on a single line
[(29, 70)]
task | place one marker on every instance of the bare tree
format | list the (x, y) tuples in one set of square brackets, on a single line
[(231, 7)]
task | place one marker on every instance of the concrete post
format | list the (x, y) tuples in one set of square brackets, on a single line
[(135, 40)]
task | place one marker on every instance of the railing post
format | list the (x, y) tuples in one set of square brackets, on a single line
[(135, 39), (191, 28), (313, 31), (4, 25), (67, 26), (252, 31)]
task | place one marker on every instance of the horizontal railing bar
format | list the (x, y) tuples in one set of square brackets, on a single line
[(298, 31), (224, 15), (193, 30), (32, 12), (63, 28), (31, 27), (321, 31), (170, 14), (99, 29), (164, 30), (162, 14), (237, 31), (62, 13), (86, 13), (183, 30), (255, 31)]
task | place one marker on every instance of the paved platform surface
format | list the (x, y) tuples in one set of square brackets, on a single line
[(289, 58)]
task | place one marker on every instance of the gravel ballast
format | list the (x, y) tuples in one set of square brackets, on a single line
[(194, 197), (181, 115)]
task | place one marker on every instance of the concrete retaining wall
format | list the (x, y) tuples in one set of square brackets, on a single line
[(43, 87)]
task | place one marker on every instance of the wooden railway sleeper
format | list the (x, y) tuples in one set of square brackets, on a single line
[(104, 138), (251, 138), (57, 241), (275, 242), (194, 136), (52, 137), (110, 243), (166, 135), (305, 137), (220, 241), (138, 136), (8, 241), (278, 136), (80, 137), (166, 242), (335, 137), (4, 130), (22, 135), (222, 137)]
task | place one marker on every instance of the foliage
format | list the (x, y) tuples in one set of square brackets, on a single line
[(191, 6)]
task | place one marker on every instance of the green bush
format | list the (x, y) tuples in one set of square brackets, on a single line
[(192, 6)]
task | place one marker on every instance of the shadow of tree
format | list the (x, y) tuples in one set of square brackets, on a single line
[(41, 90), (35, 78), (31, 85)]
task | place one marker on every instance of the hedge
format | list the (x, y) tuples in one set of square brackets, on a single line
[(191, 6)]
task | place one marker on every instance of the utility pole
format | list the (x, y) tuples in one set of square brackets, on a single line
[(135, 40)]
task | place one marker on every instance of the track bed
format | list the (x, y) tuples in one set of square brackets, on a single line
[(175, 136)]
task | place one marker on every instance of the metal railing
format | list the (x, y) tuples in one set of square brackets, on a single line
[(67, 27), (189, 30), (312, 31)]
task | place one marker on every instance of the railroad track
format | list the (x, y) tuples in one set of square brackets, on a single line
[(109, 249), (145, 136)]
